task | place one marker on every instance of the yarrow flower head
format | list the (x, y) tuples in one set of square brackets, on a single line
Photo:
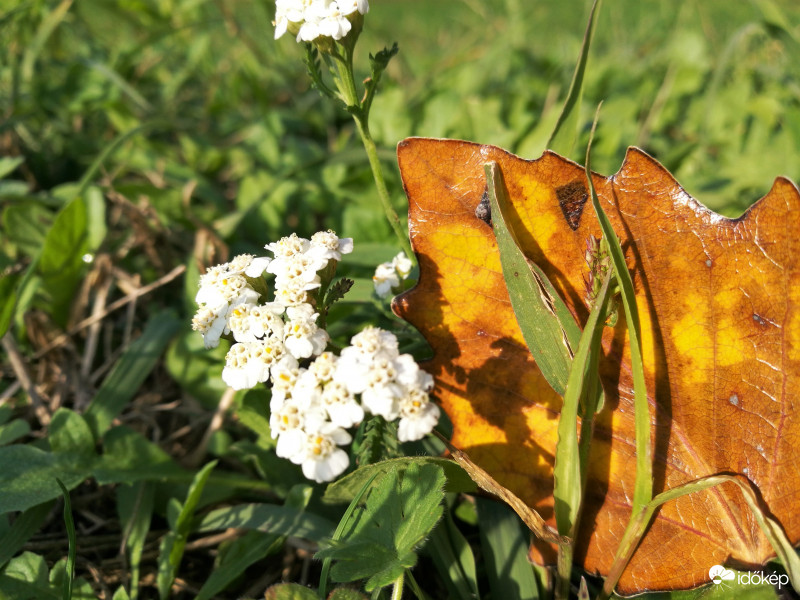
[(316, 395), (311, 19), (388, 275)]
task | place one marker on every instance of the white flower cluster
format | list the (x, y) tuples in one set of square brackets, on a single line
[(275, 334), (316, 395), (314, 18), (311, 407), (388, 275)]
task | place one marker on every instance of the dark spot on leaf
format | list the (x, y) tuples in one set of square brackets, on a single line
[(571, 198), (484, 210)]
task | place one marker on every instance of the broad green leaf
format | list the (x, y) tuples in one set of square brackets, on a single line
[(28, 476), (13, 430), (121, 593), (548, 327), (400, 512), (9, 163), (197, 369), (129, 372), (170, 552), (505, 551), (128, 457), (269, 518), (29, 567), (26, 223), (69, 433), (344, 489), (61, 260), (252, 410)]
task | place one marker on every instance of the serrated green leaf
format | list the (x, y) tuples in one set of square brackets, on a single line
[(400, 512), (345, 489), (343, 593)]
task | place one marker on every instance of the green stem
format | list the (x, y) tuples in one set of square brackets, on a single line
[(347, 87), (397, 590)]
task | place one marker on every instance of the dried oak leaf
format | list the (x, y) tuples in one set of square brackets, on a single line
[(719, 301)]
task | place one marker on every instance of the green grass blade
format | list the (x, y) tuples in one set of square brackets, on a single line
[(46, 29), (636, 529), (565, 133), (135, 508), (252, 547), (545, 321), (511, 575), (567, 472), (643, 490), (269, 518), (69, 575), (453, 558), (172, 546), (25, 525), (129, 372)]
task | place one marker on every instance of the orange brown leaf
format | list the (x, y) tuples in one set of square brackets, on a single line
[(719, 301)]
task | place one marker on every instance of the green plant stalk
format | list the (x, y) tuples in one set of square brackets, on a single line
[(636, 529), (345, 82), (69, 574), (568, 472), (397, 588), (643, 487), (415, 587)]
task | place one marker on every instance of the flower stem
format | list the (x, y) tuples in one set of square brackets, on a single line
[(397, 589), (347, 88)]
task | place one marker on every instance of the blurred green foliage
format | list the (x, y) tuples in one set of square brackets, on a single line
[(168, 132)]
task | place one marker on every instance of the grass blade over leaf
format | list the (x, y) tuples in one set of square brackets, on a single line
[(546, 323)]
